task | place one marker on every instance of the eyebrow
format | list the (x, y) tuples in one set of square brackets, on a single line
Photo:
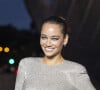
[(43, 34), (51, 36)]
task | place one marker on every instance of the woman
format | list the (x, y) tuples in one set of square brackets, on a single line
[(52, 72)]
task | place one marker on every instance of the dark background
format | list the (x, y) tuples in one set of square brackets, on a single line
[(84, 30)]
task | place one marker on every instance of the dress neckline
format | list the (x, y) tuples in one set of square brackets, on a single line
[(57, 65)]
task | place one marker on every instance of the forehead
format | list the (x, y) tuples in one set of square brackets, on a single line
[(51, 28)]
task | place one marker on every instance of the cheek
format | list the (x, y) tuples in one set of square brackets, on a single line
[(42, 42), (59, 44)]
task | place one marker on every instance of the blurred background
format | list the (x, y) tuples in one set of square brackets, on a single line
[(20, 22)]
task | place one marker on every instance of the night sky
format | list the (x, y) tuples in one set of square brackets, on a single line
[(14, 12)]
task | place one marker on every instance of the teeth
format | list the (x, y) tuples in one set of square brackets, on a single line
[(48, 49)]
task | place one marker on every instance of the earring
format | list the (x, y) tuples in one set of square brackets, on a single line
[(64, 45)]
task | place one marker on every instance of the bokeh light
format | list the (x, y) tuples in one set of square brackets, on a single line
[(6, 49), (11, 61), (1, 49)]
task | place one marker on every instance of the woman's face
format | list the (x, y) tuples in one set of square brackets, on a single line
[(52, 39)]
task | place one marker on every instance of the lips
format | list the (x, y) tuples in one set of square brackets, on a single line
[(49, 49)]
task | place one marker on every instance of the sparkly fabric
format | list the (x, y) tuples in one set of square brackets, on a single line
[(34, 75)]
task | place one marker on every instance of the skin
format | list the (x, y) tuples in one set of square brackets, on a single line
[(52, 41)]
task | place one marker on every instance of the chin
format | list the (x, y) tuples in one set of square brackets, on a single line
[(50, 55)]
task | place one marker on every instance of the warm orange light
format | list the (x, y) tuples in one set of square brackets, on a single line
[(6, 49), (1, 49)]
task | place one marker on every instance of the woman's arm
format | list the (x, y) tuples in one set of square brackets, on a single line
[(20, 76)]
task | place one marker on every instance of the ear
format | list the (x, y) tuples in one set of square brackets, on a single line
[(66, 39)]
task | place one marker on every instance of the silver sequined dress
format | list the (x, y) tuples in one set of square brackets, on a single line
[(34, 75)]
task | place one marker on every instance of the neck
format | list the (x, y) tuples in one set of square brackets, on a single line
[(53, 60)]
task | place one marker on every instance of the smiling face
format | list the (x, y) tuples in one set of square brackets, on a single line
[(52, 39)]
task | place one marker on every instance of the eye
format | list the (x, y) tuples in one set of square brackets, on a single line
[(43, 37), (55, 38)]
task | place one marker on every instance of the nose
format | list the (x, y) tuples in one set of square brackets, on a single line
[(48, 43)]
